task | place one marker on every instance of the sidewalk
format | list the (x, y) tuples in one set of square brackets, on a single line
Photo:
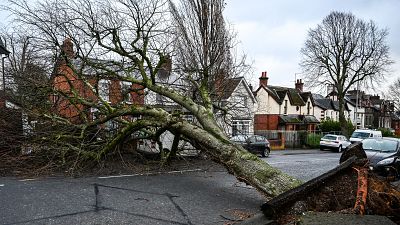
[(297, 151)]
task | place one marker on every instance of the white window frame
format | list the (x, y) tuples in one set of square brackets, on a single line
[(240, 127), (104, 89)]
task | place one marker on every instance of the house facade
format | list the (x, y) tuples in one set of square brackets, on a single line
[(372, 112), (283, 108), (237, 98), (87, 87)]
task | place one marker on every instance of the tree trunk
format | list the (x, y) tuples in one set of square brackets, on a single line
[(246, 166), (342, 119)]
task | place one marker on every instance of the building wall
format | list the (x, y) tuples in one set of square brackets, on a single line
[(266, 122), (266, 104), (318, 112), (241, 110), (65, 81), (291, 109)]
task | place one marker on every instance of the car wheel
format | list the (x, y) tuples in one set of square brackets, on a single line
[(265, 153), (340, 149)]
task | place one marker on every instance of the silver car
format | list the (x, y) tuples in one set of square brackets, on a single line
[(334, 142)]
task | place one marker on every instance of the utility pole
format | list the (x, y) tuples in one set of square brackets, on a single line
[(356, 110), (4, 54)]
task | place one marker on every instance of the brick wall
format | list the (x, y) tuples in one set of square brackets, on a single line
[(65, 81), (266, 122)]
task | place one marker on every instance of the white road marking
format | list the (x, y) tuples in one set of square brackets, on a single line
[(1, 185), (149, 174), (29, 179)]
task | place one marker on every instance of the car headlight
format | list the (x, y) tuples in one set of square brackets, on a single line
[(386, 161)]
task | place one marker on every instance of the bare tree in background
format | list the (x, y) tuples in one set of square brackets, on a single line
[(342, 51), (131, 41), (27, 73), (394, 90)]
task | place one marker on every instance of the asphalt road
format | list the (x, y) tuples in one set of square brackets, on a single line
[(304, 164), (188, 197)]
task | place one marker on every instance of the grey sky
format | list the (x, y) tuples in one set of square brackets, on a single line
[(272, 32)]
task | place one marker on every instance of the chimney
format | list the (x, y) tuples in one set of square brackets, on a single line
[(67, 48), (299, 85), (166, 68), (263, 79)]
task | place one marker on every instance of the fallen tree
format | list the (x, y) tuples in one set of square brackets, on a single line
[(133, 42)]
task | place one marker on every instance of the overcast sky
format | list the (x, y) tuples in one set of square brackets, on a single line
[(272, 32)]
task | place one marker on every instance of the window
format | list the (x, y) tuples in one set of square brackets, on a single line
[(244, 101), (104, 90), (126, 91), (285, 108), (240, 127), (308, 108)]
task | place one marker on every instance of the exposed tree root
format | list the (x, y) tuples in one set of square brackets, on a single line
[(362, 191)]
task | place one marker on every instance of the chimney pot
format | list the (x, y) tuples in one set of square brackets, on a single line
[(263, 79), (299, 85)]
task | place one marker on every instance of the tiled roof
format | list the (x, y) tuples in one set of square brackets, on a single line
[(293, 94), (310, 119), (290, 119), (297, 119), (323, 103), (229, 86)]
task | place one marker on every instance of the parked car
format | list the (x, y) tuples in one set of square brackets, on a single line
[(361, 134), (334, 142), (256, 144), (383, 155)]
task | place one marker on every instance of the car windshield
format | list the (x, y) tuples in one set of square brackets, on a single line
[(362, 135), (260, 138), (239, 138), (329, 137), (380, 145)]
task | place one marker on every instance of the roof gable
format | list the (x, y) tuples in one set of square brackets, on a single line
[(233, 84)]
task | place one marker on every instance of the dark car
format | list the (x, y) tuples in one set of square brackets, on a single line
[(256, 144), (383, 155)]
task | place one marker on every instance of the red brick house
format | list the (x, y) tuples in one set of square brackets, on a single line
[(67, 83), (283, 108)]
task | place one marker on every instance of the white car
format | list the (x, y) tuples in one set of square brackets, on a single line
[(334, 142), (361, 134)]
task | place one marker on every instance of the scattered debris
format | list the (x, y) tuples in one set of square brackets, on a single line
[(347, 189)]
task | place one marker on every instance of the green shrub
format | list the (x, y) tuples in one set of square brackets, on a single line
[(313, 140), (330, 125), (386, 132)]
